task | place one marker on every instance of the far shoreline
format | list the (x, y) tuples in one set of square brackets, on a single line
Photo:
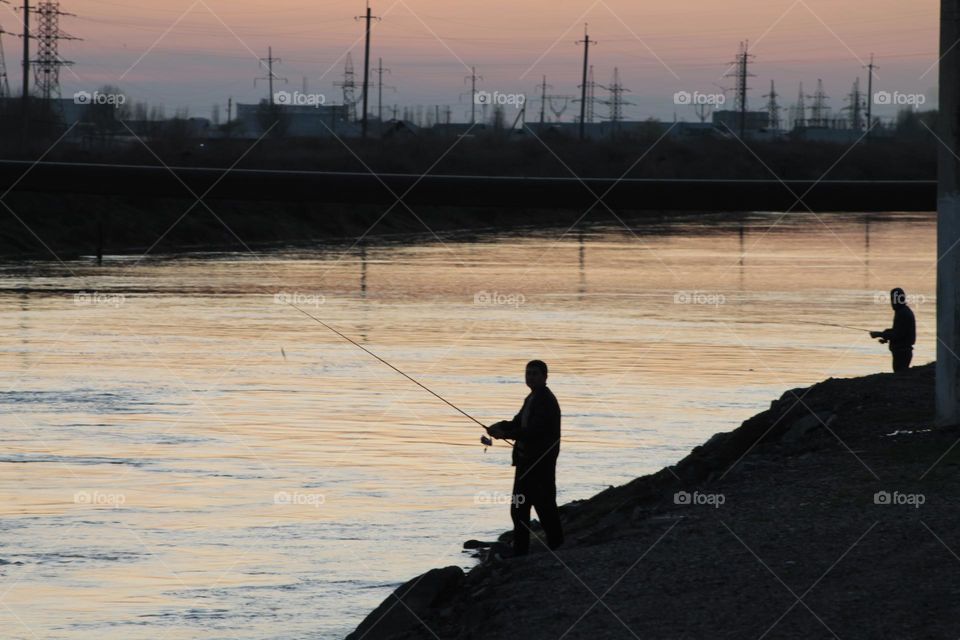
[(55, 227)]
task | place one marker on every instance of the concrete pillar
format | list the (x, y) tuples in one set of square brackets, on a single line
[(948, 219)]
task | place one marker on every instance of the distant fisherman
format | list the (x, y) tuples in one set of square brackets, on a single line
[(903, 334), (536, 429)]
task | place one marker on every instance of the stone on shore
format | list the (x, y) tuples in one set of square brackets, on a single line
[(409, 604)]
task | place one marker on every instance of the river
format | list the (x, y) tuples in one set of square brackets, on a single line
[(185, 454)]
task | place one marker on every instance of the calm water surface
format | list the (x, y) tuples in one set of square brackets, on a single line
[(184, 455)]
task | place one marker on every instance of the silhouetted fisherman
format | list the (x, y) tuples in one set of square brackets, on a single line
[(536, 430), (903, 334)]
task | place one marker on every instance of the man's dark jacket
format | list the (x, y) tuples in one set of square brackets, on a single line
[(903, 334), (536, 430)]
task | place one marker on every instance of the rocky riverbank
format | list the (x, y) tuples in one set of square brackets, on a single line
[(832, 514)]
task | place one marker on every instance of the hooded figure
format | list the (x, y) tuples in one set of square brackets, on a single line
[(903, 334)]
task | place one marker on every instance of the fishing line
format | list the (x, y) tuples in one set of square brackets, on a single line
[(486, 442)]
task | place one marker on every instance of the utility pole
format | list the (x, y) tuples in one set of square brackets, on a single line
[(546, 99), (543, 101), (870, 68), (591, 95), (366, 68), (583, 88), (26, 64), (801, 114), (773, 108), (948, 220), (741, 73), (4, 80), (856, 106), (616, 101), (380, 71), (348, 85), (46, 66), (473, 77), (270, 60), (818, 112)]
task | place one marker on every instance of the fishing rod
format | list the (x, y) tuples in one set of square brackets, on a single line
[(821, 324), (829, 324), (487, 442)]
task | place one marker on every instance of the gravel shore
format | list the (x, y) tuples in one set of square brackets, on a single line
[(831, 515)]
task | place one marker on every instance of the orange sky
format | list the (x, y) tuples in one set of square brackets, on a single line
[(195, 53)]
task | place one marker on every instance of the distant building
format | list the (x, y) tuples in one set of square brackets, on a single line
[(693, 130), (66, 109), (727, 121), (299, 121), (72, 112), (597, 130), (828, 134)]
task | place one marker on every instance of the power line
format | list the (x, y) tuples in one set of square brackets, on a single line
[(742, 73)]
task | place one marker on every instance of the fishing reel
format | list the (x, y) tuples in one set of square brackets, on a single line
[(486, 442)]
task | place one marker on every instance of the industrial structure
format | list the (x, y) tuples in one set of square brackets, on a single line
[(811, 117)]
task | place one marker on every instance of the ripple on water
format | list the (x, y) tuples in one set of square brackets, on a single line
[(40, 458), (81, 401)]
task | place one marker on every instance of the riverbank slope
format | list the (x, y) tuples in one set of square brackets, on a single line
[(831, 514)]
